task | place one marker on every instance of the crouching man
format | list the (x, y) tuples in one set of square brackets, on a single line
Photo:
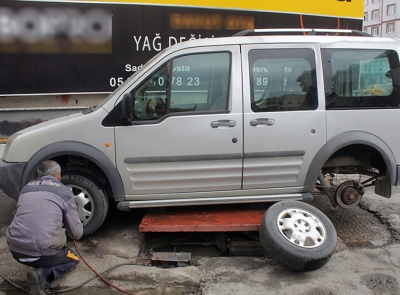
[(46, 212)]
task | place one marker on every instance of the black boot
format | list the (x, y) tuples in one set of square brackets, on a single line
[(38, 282)]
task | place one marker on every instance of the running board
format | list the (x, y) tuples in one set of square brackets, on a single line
[(127, 205)]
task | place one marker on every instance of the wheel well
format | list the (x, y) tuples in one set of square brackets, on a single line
[(355, 159), (78, 163), (360, 159), (83, 157), (355, 152)]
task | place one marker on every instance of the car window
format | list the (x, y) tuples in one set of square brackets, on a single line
[(283, 80), (191, 83), (200, 82), (360, 78)]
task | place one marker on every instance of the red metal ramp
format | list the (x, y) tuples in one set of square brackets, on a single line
[(203, 219)]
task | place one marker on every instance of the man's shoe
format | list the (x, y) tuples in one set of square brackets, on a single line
[(37, 282)]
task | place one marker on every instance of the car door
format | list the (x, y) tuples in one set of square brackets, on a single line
[(186, 135), (284, 119)]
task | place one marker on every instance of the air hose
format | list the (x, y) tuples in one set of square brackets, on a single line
[(99, 275)]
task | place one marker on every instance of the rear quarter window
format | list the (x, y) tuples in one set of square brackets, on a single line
[(361, 78)]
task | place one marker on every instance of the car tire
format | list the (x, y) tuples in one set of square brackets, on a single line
[(297, 235), (92, 202)]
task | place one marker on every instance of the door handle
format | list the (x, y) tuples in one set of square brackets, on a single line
[(223, 123), (262, 121)]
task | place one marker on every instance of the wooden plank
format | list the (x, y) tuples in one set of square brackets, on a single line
[(172, 256)]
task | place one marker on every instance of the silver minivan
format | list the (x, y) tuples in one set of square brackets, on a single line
[(245, 119)]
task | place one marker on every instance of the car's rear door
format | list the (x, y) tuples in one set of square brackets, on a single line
[(284, 119)]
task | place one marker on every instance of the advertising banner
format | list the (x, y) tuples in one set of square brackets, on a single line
[(55, 47)]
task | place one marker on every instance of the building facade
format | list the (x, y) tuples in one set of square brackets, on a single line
[(382, 18)]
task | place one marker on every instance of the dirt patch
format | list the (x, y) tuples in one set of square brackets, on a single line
[(319, 292), (355, 227), (381, 283)]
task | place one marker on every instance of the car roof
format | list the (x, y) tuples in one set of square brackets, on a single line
[(290, 36)]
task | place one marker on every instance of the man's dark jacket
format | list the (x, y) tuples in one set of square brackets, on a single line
[(45, 206)]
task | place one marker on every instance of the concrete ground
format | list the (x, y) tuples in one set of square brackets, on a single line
[(366, 261)]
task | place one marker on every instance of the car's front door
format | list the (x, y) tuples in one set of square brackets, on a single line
[(284, 121), (186, 138)]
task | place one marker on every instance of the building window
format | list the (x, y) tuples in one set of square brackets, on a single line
[(390, 28), (375, 1), (391, 9), (375, 14), (365, 16), (374, 31), (365, 2)]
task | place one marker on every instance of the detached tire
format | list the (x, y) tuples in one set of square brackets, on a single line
[(297, 235), (92, 202)]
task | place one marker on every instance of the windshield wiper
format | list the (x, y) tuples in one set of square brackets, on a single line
[(89, 110)]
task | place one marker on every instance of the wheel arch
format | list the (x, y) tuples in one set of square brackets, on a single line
[(73, 148), (346, 139)]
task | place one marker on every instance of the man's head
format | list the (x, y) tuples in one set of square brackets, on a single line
[(49, 168)]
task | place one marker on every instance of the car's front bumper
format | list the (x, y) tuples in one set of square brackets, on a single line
[(10, 178)]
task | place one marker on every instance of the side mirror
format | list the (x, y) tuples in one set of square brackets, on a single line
[(127, 108)]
